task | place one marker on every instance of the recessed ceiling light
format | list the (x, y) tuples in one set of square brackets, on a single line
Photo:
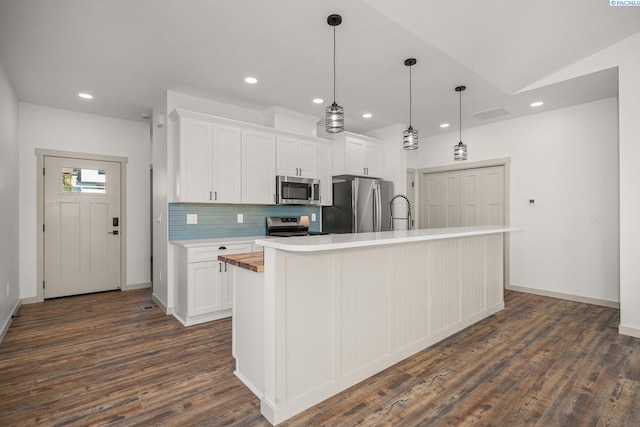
[(318, 100), (251, 80), (85, 95), (367, 115), (537, 103), (444, 125)]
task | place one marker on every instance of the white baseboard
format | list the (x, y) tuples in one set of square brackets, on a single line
[(136, 286), (7, 322), (560, 295), (627, 330), (161, 304)]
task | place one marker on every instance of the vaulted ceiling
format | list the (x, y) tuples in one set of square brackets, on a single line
[(128, 53)]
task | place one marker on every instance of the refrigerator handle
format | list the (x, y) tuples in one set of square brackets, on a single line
[(354, 206), (379, 208), (376, 208)]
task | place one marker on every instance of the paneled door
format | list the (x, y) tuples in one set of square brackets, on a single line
[(82, 223)]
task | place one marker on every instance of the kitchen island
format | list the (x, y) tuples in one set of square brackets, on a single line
[(331, 311)]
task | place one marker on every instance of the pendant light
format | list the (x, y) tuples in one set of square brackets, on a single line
[(460, 149), (334, 114), (410, 136)]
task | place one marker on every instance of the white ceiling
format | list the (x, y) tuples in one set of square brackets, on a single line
[(128, 53)]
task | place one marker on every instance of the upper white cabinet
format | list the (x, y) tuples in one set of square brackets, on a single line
[(210, 162), (258, 167), (325, 172), (357, 155), (297, 157)]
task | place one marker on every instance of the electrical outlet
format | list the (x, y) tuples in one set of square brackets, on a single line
[(192, 218), (313, 217), (240, 218)]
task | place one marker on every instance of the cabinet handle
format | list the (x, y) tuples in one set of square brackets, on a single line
[(300, 171), (220, 268), (296, 171), (215, 195), (225, 267), (222, 248), (210, 195)]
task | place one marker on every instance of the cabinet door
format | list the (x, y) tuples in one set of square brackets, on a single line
[(204, 287), (354, 156), (373, 159), (287, 154), (196, 160), (258, 167), (325, 173), (308, 159), (227, 163)]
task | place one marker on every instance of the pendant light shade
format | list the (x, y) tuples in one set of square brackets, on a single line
[(460, 149), (334, 114), (410, 136)]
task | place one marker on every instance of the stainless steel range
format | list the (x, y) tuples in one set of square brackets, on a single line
[(289, 226)]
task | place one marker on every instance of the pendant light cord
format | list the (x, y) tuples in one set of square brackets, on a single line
[(410, 97), (460, 116), (334, 64)]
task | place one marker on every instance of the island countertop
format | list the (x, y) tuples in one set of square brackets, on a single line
[(253, 261), (356, 240)]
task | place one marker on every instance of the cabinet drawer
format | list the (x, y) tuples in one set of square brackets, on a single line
[(210, 253)]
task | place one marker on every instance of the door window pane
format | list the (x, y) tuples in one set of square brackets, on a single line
[(75, 180)]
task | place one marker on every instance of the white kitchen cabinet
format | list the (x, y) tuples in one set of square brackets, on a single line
[(205, 286), (357, 155), (325, 173), (297, 157), (258, 167), (210, 162)]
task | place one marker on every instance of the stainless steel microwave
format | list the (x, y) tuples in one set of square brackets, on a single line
[(292, 190)]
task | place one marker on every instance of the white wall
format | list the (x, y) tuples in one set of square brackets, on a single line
[(9, 217), (56, 129), (567, 160), (626, 56)]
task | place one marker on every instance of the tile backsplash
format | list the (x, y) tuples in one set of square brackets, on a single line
[(221, 220)]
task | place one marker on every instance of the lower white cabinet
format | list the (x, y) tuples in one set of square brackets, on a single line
[(205, 286)]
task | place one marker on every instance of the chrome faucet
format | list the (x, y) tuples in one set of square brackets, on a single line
[(408, 218)]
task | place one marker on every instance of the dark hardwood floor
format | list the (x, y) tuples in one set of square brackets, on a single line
[(106, 359)]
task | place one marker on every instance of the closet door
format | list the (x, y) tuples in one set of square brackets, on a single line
[(471, 197), (465, 197), (441, 200), (493, 196)]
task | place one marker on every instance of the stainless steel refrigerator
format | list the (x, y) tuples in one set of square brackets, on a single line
[(359, 205)]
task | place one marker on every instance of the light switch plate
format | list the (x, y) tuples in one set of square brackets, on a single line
[(192, 218), (240, 218), (313, 217)]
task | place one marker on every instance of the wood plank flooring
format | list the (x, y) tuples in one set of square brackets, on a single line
[(105, 359)]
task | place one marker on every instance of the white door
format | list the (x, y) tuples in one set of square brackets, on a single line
[(82, 226)]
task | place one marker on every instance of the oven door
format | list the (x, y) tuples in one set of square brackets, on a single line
[(297, 191)]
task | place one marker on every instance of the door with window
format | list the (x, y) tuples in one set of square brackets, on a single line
[(82, 223)]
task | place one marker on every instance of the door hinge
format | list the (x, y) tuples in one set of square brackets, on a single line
[(43, 228), (43, 286), (413, 184), (42, 171)]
